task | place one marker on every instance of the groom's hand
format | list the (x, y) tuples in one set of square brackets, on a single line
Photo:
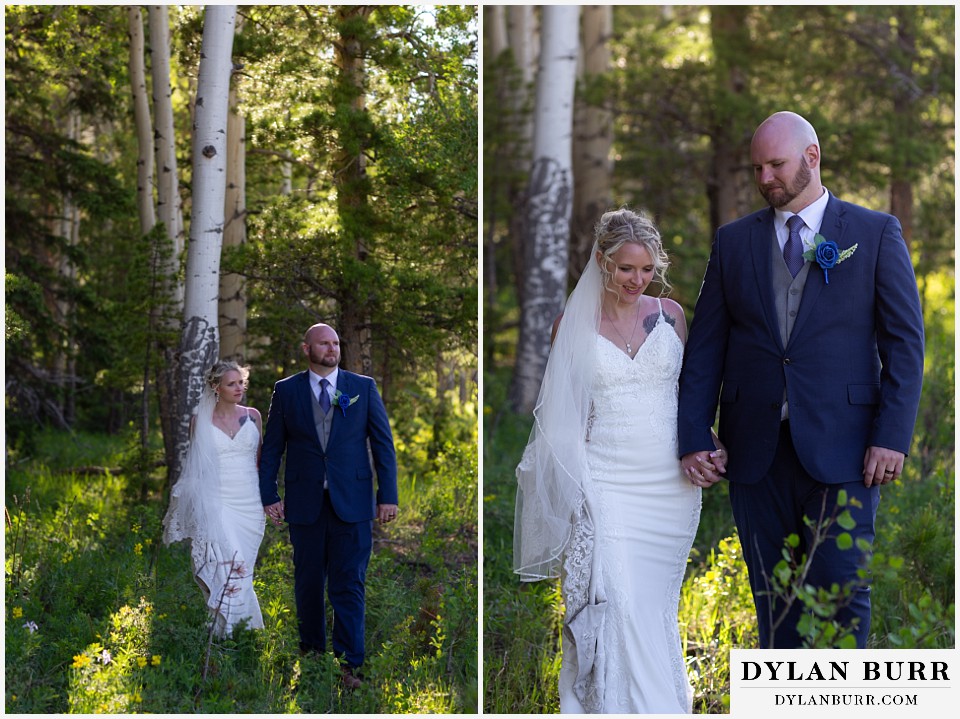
[(275, 513), (704, 468), (881, 466), (386, 513)]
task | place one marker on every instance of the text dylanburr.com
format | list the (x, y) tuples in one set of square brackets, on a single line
[(844, 683)]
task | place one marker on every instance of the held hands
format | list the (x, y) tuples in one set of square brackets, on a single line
[(386, 513), (275, 513), (704, 469)]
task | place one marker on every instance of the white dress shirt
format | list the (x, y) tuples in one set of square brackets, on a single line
[(812, 216), (331, 389)]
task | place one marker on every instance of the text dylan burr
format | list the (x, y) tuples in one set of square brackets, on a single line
[(841, 671)]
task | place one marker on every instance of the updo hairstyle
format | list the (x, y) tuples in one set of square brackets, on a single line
[(619, 226), (215, 374)]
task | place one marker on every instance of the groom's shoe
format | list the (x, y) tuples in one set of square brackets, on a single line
[(350, 678), (308, 651)]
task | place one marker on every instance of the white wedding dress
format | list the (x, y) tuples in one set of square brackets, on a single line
[(226, 575), (646, 515)]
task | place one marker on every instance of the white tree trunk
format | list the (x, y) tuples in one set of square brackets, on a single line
[(199, 342), (524, 41), (495, 25), (141, 116), (286, 171), (593, 138), (233, 304), (549, 198), (68, 227), (170, 213), (169, 203)]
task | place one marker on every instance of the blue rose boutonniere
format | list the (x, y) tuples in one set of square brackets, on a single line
[(827, 254), (343, 401)]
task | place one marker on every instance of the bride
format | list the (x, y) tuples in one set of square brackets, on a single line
[(601, 499), (216, 501)]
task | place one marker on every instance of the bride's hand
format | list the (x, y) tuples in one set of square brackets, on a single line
[(699, 469)]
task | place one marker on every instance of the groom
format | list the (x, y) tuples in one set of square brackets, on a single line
[(334, 429), (817, 360)]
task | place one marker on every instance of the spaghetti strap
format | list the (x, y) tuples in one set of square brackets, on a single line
[(660, 302)]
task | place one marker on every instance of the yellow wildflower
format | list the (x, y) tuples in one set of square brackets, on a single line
[(80, 661), (141, 662), (138, 549), (155, 660), (17, 612)]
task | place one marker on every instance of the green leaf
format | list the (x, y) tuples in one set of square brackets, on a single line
[(848, 642), (844, 541), (846, 520)]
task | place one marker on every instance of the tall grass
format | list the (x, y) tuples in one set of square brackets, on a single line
[(912, 568), (101, 617)]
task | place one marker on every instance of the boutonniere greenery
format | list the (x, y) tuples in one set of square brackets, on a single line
[(827, 254), (343, 401)]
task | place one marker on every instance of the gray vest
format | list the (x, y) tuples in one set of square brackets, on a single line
[(323, 421), (787, 293)]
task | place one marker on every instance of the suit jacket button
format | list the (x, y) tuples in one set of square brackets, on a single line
[(786, 360)]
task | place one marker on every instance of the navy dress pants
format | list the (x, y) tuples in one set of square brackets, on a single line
[(331, 554), (772, 509)]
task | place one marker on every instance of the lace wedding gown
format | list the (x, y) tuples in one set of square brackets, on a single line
[(226, 574), (645, 517)]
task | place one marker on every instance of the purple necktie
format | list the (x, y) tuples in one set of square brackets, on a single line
[(324, 396), (793, 249)]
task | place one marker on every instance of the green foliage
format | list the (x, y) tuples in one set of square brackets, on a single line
[(392, 246), (716, 613), (395, 243), (101, 617), (819, 626)]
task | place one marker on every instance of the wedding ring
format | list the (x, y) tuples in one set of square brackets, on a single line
[(888, 471)]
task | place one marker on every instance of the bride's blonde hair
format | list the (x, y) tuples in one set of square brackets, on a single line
[(215, 374), (618, 227)]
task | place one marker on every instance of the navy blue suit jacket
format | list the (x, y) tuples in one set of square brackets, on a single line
[(853, 365), (346, 463)]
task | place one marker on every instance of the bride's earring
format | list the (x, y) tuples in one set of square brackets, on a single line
[(217, 393)]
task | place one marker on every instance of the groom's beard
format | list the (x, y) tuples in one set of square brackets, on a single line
[(778, 197), (328, 359)]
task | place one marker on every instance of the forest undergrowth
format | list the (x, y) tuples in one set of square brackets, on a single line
[(101, 617)]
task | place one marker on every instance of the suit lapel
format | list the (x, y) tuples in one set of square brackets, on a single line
[(760, 251), (343, 385), (832, 227), (304, 400)]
